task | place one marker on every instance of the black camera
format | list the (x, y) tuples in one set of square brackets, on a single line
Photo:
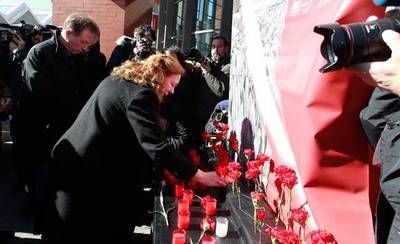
[(144, 48), (194, 55), (5, 36), (25, 31), (344, 45)]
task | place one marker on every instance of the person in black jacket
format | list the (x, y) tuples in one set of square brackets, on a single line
[(214, 86), (5, 92), (99, 159), (55, 90), (381, 122), (139, 47)]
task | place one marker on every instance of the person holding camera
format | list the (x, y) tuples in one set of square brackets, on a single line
[(5, 92), (139, 47), (215, 86), (19, 48), (381, 123), (55, 90)]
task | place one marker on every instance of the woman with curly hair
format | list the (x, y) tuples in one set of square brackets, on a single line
[(99, 160)]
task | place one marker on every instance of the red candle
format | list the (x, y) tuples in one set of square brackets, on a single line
[(208, 240), (188, 195), (178, 236), (183, 219), (204, 200), (211, 206), (179, 190), (183, 205)]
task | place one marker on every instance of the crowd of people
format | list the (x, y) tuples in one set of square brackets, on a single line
[(89, 135)]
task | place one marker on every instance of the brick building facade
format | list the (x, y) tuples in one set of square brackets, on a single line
[(114, 17)]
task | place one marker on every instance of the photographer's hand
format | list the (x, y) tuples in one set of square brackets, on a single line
[(18, 41), (205, 66), (385, 74)]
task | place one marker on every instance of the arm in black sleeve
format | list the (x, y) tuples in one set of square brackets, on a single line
[(36, 102), (218, 80), (120, 54), (374, 117), (37, 78), (143, 117), (5, 65), (180, 138)]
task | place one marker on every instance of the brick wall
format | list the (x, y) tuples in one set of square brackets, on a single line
[(113, 17)]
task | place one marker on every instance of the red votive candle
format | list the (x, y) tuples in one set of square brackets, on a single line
[(183, 219), (208, 240), (179, 190), (183, 205), (188, 195), (211, 206), (178, 236)]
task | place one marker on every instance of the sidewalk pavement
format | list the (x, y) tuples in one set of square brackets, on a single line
[(14, 215), (13, 201)]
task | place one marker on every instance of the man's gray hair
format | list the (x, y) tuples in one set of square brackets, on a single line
[(77, 22)]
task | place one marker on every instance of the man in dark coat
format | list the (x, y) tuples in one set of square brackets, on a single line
[(55, 91), (5, 92)]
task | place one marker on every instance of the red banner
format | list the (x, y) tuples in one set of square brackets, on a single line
[(321, 118)]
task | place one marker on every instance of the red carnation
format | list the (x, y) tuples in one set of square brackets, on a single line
[(224, 127), (222, 169), (253, 164), (233, 176), (258, 196), (322, 237), (234, 166), (248, 152), (206, 136), (262, 157), (233, 142), (252, 173), (220, 136), (286, 176), (260, 214), (299, 215), (216, 123), (283, 236), (289, 180)]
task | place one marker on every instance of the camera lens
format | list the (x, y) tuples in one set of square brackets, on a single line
[(194, 55), (344, 45)]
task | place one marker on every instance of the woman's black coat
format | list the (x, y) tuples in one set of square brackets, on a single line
[(102, 156)]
